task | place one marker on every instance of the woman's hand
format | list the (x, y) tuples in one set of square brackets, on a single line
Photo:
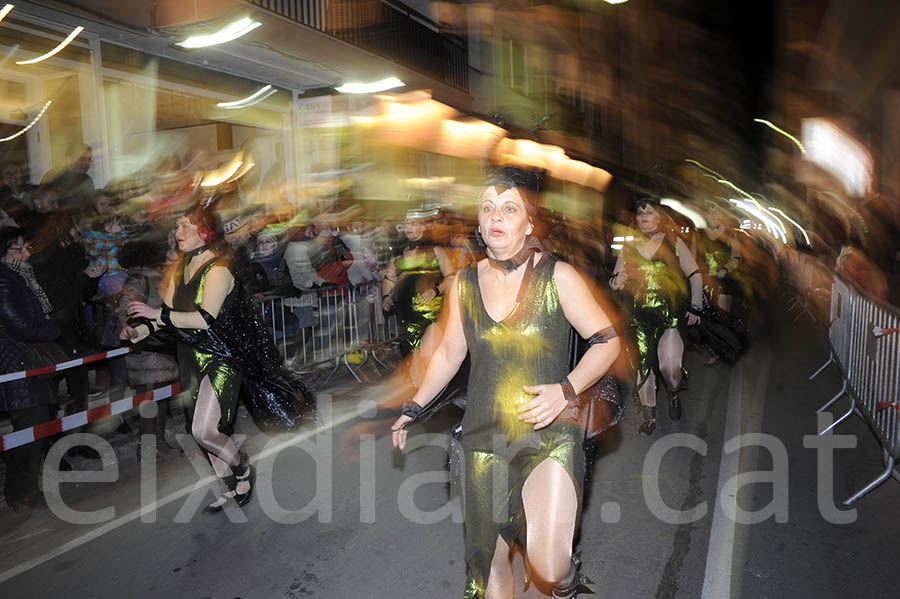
[(428, 295), (722, 273), (619, 280), (140, 309), (387, 303), (398, 433), (127, 333), (546, 407), (692, 319), (97, 270)]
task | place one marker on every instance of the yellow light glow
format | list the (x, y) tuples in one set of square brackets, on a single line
[(371, 88), (228, 33), (5, 10), (29, 125), (772, 126), (55, 50), (221, 175)]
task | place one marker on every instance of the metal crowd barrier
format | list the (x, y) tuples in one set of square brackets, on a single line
[(865, 346), (328, 324)]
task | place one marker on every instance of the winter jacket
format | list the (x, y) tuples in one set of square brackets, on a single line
[(21, 322)]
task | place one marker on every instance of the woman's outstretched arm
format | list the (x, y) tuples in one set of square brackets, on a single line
[(444, 363)]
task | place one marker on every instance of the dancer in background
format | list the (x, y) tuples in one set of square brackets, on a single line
[(659, 273)]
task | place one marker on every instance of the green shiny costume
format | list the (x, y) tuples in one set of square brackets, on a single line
[(713, 255), (416, 274), (224, 378), (660, 296), (527, 348)]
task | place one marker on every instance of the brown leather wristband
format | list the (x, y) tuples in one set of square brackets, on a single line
[(568, 391)]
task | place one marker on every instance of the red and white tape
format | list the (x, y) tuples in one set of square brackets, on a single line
[(14, 376), (67, 423), (881, 331)]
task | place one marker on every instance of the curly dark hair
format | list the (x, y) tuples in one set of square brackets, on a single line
[(8, 236)]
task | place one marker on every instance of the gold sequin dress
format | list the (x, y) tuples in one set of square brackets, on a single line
[(528, 347)]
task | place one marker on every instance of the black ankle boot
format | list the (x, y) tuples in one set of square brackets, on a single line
[(674, 406), (649, 424), (574, 584), (243, 472)]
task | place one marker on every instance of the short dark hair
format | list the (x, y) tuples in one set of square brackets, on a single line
[(8, 236), (509, 176)]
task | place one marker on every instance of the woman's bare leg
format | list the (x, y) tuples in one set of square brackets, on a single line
[(671, 352), (551, 513), (223, 453), (500, 582)]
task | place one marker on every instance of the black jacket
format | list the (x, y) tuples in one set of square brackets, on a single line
[(59, 272), (22, 321)]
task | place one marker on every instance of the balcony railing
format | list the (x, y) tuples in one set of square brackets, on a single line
[(394, 33)]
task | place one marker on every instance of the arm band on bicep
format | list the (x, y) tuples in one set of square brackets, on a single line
[(696, 272), (602, 336)]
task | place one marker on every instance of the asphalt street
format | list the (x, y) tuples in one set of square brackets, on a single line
[(338, 513)]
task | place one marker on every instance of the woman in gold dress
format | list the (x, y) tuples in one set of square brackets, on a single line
[(523, 459), (659, 273)]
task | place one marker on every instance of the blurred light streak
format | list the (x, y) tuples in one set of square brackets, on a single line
[(772, 224), (226, 34), (704, 167), (370, 88), (5, 10), (774, 127), (9, 55), (221, 175), (55, 50), (254, 98), (693, 215), (29, 125), (616, 1), (840, 154), (795, 223)]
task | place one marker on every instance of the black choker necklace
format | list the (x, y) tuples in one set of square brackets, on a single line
[(522, 256), (197, 251)]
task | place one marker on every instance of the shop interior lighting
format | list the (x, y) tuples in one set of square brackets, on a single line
[(370, 88), (5, 10), (55, 50), (226, 34), (29, 125), (254, 98), (774, 127)]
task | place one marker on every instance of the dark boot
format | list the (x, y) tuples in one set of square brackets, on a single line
[(674, 406), (649, 424), (574, 584)]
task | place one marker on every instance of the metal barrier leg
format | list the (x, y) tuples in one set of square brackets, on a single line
[(889, 469), (833, 399), (337, 363), (379, 362), (848, 414), (350, 368), (823, 367)]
